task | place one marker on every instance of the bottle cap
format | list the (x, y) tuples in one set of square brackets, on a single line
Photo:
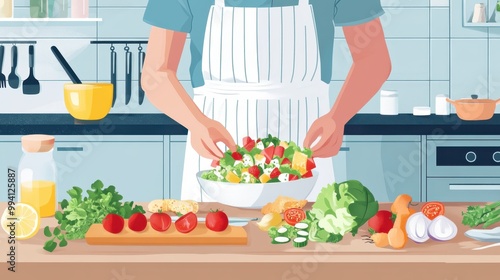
[(37, 143)]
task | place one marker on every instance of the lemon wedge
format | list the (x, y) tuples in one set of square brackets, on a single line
[(269, 220), (25, 221)]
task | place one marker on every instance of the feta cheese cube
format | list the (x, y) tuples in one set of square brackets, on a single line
[(283, 177), (275, 162), (245, 177), (236, 162), (268, 170), (260, 145)]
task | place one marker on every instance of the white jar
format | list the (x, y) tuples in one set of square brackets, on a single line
[(6, 8), (389, 104), (442, 106)]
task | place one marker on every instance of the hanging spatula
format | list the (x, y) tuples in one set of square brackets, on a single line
[(31, 85)]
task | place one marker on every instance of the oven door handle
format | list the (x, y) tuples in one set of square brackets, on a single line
[(474, 187)]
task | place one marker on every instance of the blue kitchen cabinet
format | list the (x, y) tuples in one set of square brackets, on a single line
[(10, 154), (175, 172), (133, 164), (387, 165)]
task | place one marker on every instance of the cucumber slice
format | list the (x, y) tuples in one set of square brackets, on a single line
[(301, 226), (282, 230), (302, 233), (300, 242), (281, 240)]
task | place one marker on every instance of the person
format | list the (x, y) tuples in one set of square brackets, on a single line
[(261, 67)]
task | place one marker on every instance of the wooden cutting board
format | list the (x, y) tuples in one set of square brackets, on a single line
[(97, 235)]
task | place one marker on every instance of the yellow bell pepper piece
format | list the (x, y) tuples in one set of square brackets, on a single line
[(284, 144), (299, 162), (232, 178), (264, 178)]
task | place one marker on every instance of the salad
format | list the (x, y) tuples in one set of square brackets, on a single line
[(266, 160)]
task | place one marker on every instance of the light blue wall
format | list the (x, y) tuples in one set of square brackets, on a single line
[(432, 53)]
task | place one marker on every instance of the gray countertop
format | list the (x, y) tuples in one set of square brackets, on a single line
[(159, 124)]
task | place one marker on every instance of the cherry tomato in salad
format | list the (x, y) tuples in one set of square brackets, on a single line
[(294, 215), (433, 209), (293, 177), (217, 220), (254, 171), (279, 151), (237, 156), (308, 174), (275, 173), (160, 221), (286, 161), (268, 153), (246, 140), (186, 223)]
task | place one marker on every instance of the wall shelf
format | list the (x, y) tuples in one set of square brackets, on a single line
[(468, 12), (50, 19)]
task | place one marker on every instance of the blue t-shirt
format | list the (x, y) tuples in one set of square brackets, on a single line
[(190, 16)]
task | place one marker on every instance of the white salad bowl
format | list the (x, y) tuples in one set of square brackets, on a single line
[(255, 196)]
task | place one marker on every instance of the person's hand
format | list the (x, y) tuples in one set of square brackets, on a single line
[(206, 135), (330, 133)]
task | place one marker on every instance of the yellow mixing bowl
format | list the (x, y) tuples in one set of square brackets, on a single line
[(90, 101)]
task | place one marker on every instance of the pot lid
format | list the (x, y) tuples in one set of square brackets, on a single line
[(474, 99)]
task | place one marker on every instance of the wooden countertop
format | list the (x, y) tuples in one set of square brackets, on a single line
[(260, 253)]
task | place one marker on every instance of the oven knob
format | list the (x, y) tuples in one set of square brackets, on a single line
[(471, 157), (496, 157)]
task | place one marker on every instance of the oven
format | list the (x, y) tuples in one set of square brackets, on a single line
[(463, 170)]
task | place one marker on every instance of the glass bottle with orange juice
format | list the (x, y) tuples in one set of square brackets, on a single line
[(37, 174)]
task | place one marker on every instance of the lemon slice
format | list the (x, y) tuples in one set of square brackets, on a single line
[(25, 221)]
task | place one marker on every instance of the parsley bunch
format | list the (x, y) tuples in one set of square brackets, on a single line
[(79, 213)]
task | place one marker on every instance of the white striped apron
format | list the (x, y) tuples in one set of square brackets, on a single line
[(262, 75)]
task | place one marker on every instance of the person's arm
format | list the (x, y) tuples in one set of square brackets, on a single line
[(159, 78), (165, 92), (370, 69)]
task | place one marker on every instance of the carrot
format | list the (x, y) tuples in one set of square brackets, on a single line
[(397, 236), (380, 239), (401, 203)]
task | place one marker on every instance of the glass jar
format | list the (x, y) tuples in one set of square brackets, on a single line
[(39, 8), (6, 8), (58, 8), (79, 8), (37, 169)]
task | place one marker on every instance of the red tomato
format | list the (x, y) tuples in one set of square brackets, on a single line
[(433, 209), (160, 221), (113, 223), (237, 156), (275, 173), (286, 161), (279, 151), (137, 222), (250, 145), (308, 174), (215, 163), (310, 165), (381, 222), (254, 171), (186, 223), (292, 177), (217, 220), (294, 215), (268, 153), (247, 140)]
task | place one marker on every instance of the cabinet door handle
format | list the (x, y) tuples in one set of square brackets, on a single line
[(345, 149), (69, 149), (477, 187)]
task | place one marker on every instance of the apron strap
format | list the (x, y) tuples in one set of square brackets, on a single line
[(303, 2), (220, 3)]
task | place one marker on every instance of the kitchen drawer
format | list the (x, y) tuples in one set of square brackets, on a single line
[(134, 168), (386, 168), (463, 189)]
